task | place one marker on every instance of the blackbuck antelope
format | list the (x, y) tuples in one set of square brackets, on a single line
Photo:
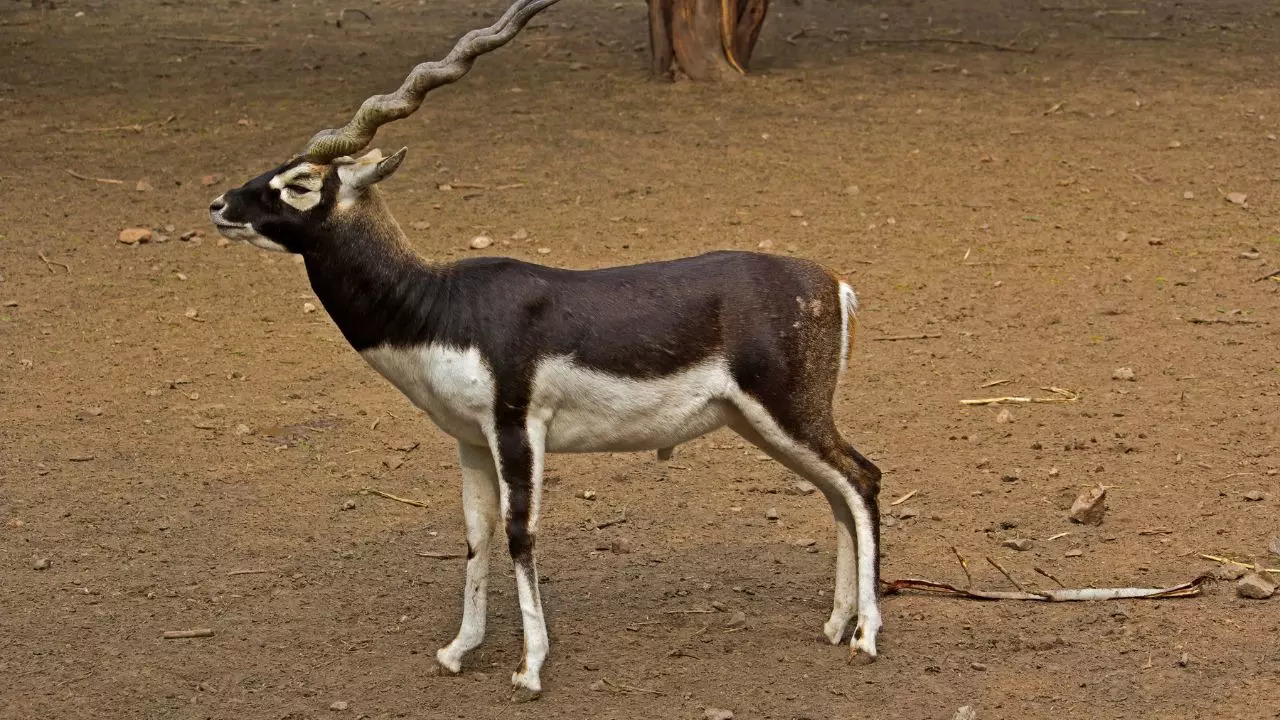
[(517, 360)]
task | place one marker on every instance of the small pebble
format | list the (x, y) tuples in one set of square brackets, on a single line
[(339, 705), (1005, 417), (242, 429), (1090, 506), (1274, 546), (349, 505), (420, 225), (1254, 496), (806, 542), (965, 712), (544, 251), (1123, 373), (907, 512), (620, 546), (40, 564), (736, 620), (771, 514), (308, 308), (980, 667), (480, 242), (588, 494), (1019, 544), (712, 713), (1073, 553), (719, 606), (520, 234), (1184, 660), (135, 235)]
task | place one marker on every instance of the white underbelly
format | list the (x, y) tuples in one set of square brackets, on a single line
[(584, 410)]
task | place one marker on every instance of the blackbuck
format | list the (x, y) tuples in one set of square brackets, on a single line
[(517, 360)]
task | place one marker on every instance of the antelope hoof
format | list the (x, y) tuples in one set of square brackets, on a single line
[(523, 694), (834, 630), (858, 656), (446, 666)]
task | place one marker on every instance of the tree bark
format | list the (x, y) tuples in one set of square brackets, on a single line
[(708, 40)]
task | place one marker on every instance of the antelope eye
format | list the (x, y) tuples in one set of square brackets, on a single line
[(297, 189)]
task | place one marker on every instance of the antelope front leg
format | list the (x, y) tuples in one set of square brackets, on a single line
[(519, 454), (480, 510)]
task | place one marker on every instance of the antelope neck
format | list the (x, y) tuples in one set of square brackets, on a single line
[(376, 289)]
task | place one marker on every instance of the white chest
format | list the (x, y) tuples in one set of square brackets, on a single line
[(454, 387)]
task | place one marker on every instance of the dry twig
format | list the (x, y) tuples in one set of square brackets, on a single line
[(217, 39), (1187, 589), (1237, 563), (904, 498), (440, 555), (50, 263), (185, 634), (247, 572), (389, 496), (921, 336), (106, 181), (953, 41), (1059, 395)]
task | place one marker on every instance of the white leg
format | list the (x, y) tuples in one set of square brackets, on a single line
[(480, 510), (519, 456), (861, 545)]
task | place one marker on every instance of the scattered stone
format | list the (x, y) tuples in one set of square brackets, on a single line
[(222, 242), (797, 213), (907, 512), (143, 186), (11, 303), (188, 235), (520, 234), (965, 712), (210, 180), (806, 542), (983, 463), (799, 487), (1237, 198), (588, 494), (1184, 660), (1188, 195), (338, 705), (480, 242), (192, 313), (135, 235), (1010, 477), (737, 620), (579, 66), (349, 505), (544, 251), (242, 429), (1255, 496), (1274, 546), (771, 514), (1073, 553), (308, 308), (765, 244), (712, 713), (80, 457), (718, 606), (1019, 544), (1227, 573), (40, 564), (620, 546), (1053, 472), (1123, 373), (420, 225), (159, 238), (1250, 254), (980, 667), (1005, 417), (1090, 506), (1255, 586)]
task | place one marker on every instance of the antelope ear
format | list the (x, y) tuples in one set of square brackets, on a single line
[(369, 169)]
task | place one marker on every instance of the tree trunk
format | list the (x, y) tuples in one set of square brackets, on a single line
[(704, 39)]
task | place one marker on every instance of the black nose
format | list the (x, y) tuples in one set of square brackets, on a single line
[(217, 204)]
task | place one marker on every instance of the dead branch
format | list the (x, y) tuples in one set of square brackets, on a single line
[(921, 336), (952, 41), (1272, 276), (1222, 321), (1187, 589), (622, 517), (964, 565), (185, 634), (233, 573), (389, 496), (1006, 574), (1045, 573), (106, 181), (441, 555), (994, 383), (50, 263)]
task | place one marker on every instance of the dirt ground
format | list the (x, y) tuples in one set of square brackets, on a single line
[(171, 415)]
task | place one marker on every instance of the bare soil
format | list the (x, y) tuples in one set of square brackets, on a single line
[(1050, 215)]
